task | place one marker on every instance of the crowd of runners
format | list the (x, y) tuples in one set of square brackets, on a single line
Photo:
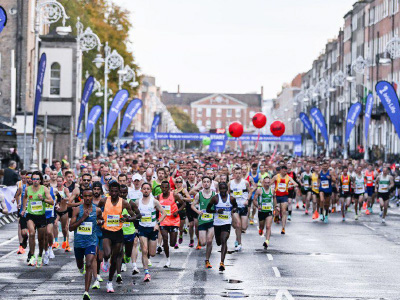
[(123, 207)]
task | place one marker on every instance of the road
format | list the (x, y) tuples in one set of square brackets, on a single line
[(351, 260)]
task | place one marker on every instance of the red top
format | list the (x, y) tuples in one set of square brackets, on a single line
[(170, 207), (171, 183)]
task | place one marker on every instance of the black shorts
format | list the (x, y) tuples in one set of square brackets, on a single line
[(345, 195), (263, 215), (190, 213), (334, 189), (38, 220), (206, 226), (242, 211), (326, 194), (221, 228), (315, 193), (148, 232), (292, 194), (61, 213), (305, 192), (114, 236), (384, 196), (136, 223), (182, 214), (170, 229), (358, 195), (22, 222), (50, 220), (69, 210)]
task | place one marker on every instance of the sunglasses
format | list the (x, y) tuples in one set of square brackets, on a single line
[(86, 180), (108, 179), (178, 181), (36, 179)]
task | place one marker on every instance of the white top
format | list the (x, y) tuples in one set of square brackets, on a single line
[(239, 191), (135, 194), (226, 217), (148, 213), (359, 185)]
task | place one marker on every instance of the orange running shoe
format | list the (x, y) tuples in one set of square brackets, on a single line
[(21, 250), (208, 265), (260, 231), (365, 206), (67, 248), (55, 245), (64, 245), (297, 206), (283, 231), (333, 209), (315, 215), (198, 247), (367, 212)]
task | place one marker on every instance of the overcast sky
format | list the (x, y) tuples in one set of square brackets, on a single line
[(233, 46)]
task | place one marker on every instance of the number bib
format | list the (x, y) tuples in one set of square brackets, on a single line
[(146, 218), (325, 184), (237, 193), (282, 187), (36, 206), (85, 228), (266, 206), (359, 188), (345, 188), (112, 220), (126, 224), (167, 209), (306, 185), (223, 217), (383, 187), (49, 207), (205, 216)]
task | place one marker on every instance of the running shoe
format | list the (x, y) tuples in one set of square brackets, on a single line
[(297, 206), (167, 264), (29, 257), (46, 259), (147, 277), (356, 217), (68, 248), (31, 261), (367, 212), (176, 246), (364, 206), (51, 253), (221, 267), (381, 214), (383, 220), (159, 249), (321, 217), (135, 271), (86, 296), (208, 265), (265, 244), (180, 240), (96, 285), (371, 210), (326, 220), (198, 247), (99, 279), (260, 231), (55, 245), (123, 267), (333, 210), (238, 248), (283, 231), (149, 263), (39, 262), (21, 250), (306, 212), (251, 222), (315, 215), (236, 243), (191, 244), (344, 219), (110, 288), (119, 279), (276, 219), (64, 245), (105, 266), (289, 218)]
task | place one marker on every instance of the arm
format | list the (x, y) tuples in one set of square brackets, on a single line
[(48, 199), (391, 185), (74, 224), (182, 204), (256, 195), (194, 203), (292, 181), (17, 196), (158, 206), (132, 210), (24, 203), (195, 189), (212, 202)]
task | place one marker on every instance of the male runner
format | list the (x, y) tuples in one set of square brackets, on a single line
[(305, 182), (255, 175), (191, 184), (50, 218), (325, 191), (370, 176), (345, 183), (359, 191), (62, 214), (383, 184), (315, 191), (26, 180)]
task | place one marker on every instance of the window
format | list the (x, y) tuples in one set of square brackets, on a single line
[(208, 112), (237, 113), (347, 33), (395, 6), (199, 123), (385, 8), (55, 75), (219, 112), (354, 22), (251, 114), (199, 112), (218, 124), (185, 111), (229, 112), (208, 124)]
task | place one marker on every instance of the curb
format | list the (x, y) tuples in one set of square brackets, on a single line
[(7, 219)]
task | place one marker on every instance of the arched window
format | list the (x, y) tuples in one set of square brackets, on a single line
[(55, 79)]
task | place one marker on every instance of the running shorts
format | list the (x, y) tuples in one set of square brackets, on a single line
[(384, 196), (129, 238), (263, 215), (370, 191), (50, 220), (148, 232), (170, 229), (221, 228), (206, 226), (81, 252), (242, 211), (114, 236), (38, 220), (282, 199)]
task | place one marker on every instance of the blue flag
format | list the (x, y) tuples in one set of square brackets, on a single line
[(390, 102), (130, 112), (367, 116), (320, 120), (118, 103), (87, 91), (39, 88), (156, 121), (307, 124), (3, 18), (352, 116), (94, 115)]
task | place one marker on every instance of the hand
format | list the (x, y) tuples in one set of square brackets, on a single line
[(156, 227), (246, 203), (220, 211), (40, 196), (200, 213), (329, 177), (85, 214), (19, 206), (100, 222), (175, 214), (23, 213), (123, 219)]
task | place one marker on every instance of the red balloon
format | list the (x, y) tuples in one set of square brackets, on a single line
[(259, 120), (277, 128), (236, 129)]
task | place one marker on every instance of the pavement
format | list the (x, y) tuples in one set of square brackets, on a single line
[(350, 260)]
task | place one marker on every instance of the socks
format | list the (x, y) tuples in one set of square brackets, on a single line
[(146, 271)]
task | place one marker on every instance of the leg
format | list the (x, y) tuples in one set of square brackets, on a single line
[(115, 258), (244, 222), (202, 237), (284, 206), (55, 229), (164, 234), (32, 234), (238, 227), (268, 230), (64, 227), (224, 244), (107, 249), (385, 208), (135, 249), (210, 237), (90, 259), (41, 239), (49, 235), (144, 246)]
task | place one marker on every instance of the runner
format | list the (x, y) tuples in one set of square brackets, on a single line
[(265, 201), (50, 218), (62, 214), (84, 223), (370, 176), (291, 190), (206, 228), (184, 195), (148, 226), (222, 206), (325, 191), (359, 191), (35, 198), (315, 192), (255, 175), (239, 189), (305, 183), (191, 184), (345, 183), (384, 182), (170, 223)]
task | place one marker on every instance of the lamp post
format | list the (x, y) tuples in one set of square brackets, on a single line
[(112, 61), (47, 12)]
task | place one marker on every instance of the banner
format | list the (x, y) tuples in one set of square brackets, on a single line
[(87, 91), (217, 145), (352, 116), (8, 193), (3, 18), (320, 120), (156, 122), (389, 99), (307, 124), (39, 88), (94, 115), (130, 112), (367, 116), (118, 103)]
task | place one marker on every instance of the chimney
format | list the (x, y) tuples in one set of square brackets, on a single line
[(262, 93)]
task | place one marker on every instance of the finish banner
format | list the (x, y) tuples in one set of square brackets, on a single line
[(130, 112), (94, 115), (320, 120), (87, 91), (389, 99), (307, 124), (39, 88), (118, 103), (367, 116), (352, 116), (156, 122)]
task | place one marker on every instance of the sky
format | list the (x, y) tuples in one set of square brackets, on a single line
[(230, 46)]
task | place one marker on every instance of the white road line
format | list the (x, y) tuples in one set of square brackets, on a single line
[(270, 257), (369, 227), (281, 293), (9, 241), (6, 220), (276, 271)]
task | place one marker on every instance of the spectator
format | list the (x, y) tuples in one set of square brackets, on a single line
[(15, 157), (11, 176), (45, 164)]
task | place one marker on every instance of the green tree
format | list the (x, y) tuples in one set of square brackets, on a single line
[(182, 120)]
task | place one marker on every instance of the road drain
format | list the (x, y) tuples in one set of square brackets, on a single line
[(233, 281), (234, 295)]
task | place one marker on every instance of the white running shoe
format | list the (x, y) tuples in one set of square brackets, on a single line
[(239, 248), (51, 253), (383, 220), (123, 267), (110, 288), (135, 270), (168, 263), (150, 264), (46, 258)]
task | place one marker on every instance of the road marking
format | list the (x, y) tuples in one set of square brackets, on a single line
[(270, 257), (7, 255), (369, 227), (9, 241), (281, 293), (276, 271), (182, 273)]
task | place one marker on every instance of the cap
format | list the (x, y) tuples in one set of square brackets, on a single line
[(136, 177), (46, 177)]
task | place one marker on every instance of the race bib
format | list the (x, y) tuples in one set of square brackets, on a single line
[(266, 206), (306, 185), (325, 184), (146, 218), (36, 206), (282, 187), (167, 209), (359, 188), (369, 179), (49, 207), (315, 184), (85, 228), (223, 217), (237, 193), (126, 224), (345, 188), (205, 216), (383, 187), (112, 220)]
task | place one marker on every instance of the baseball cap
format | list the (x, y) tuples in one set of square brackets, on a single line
[(136, 177)]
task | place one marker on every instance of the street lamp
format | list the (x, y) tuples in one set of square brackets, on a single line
[(113, 60)]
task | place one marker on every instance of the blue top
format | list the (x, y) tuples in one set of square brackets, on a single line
[(50, 208), (256, 178), (22, 198), (99, 233), (325, 183), (86, 233)]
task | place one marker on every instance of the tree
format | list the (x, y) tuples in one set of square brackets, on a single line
[(182, 120)]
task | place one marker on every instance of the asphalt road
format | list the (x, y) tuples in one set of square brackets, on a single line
[(351, 260)]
